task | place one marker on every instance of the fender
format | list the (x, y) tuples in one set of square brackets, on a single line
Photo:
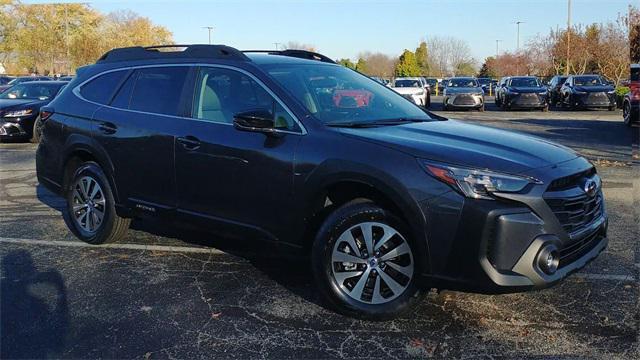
[(335, 171), (80, 143)]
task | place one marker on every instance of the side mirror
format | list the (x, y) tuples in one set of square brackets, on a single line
[(260, 120)]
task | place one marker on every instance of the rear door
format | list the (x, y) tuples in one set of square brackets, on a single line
[(137, 130)]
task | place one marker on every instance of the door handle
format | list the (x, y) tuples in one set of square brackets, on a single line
[(189, 142), (107, 128)]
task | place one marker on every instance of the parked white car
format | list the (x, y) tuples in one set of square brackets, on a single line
[(414, 89)]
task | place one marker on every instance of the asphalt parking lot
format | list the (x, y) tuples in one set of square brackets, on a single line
[(176, 293)]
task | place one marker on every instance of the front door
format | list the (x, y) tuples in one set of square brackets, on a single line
[(228, 176)]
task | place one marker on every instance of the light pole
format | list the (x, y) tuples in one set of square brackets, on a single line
[(277, 44), (566, 71), (518, 36), (497, 53), (210, 28)]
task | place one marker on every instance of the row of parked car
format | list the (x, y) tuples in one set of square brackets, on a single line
[(512, 92), (20, 101)]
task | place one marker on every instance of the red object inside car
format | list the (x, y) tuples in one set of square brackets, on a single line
[(352, 98)]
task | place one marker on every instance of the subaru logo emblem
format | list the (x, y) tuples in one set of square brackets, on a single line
[(590, 187)]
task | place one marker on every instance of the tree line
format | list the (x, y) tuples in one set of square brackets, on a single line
[(600, 48), (58, 38)]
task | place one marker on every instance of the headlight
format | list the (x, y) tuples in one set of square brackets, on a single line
[(544, 93), (611, 92), (18, 113), (478, 184)]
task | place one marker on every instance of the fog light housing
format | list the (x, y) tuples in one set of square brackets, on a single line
[(548, 259)]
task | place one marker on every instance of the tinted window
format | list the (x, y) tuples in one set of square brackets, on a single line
[(101, 88), (335, 94), (462, 83), (587, 81), (525, 82), (158, 90), (123, 97), (407, 83), (32, 91), (222, 93)]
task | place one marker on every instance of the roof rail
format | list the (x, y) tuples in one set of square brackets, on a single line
[(302, 54), (190, 51)]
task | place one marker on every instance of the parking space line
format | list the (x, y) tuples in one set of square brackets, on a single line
[(182, 249)]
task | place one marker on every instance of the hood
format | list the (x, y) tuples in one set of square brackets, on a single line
[(527, 89), (463, 90), (20, 103), (408, 90), (598, 88), (475, 146)]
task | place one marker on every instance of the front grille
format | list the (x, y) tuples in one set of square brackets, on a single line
[(528, 99), (598, 98), (571, 180), (575, 250), (464, 100), (576, 212)]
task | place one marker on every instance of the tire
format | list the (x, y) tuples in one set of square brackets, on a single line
[(89, 202), (428, 105), (445, 107), (611, 108), (481, 108), (498, 102), (545, 108), (626, 113), (357, 296), (37, 131)]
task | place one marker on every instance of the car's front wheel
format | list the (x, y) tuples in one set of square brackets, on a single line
[(37, 131), (91, 213), (364, 263)]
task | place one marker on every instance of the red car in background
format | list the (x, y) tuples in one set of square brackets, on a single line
[(352, 98), (631, 102)]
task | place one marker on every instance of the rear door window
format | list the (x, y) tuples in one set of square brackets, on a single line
[(158, 90), (101, 89)]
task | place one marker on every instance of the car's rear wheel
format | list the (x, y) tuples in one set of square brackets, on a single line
[(364, 263), (91, 213)]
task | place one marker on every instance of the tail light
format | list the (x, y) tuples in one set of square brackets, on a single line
[(45, 115)]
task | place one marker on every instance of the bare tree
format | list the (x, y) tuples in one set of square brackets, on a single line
[(447, 54), (378, 64)]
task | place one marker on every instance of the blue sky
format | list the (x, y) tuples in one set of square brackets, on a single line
[(345, 28)]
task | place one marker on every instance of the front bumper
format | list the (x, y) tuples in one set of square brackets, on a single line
[(463, 101), (416, 99), (11, 130), (594, 100), (527, 101), (496, 246)]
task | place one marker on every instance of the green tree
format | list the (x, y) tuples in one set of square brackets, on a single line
[(361, 66), (422, 58), (407, 65), (486, 70), (347, 63)]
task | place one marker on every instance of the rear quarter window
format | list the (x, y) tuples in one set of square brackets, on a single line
[(101, 89), (159, 90)]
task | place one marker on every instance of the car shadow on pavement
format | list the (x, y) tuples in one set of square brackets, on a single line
[(34, 316)]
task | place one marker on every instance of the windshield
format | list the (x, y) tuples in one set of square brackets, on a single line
[(407, 83), (462, 83), (335, 94), (432, 82), (30, 90), (484, 81), (587, 81), (525, 82)]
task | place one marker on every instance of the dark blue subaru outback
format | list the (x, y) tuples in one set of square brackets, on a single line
[(385, 197)]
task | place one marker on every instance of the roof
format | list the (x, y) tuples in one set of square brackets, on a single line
[(210, 52), (45, 82)]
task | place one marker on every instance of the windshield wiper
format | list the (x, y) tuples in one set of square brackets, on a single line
[(365, 124)]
